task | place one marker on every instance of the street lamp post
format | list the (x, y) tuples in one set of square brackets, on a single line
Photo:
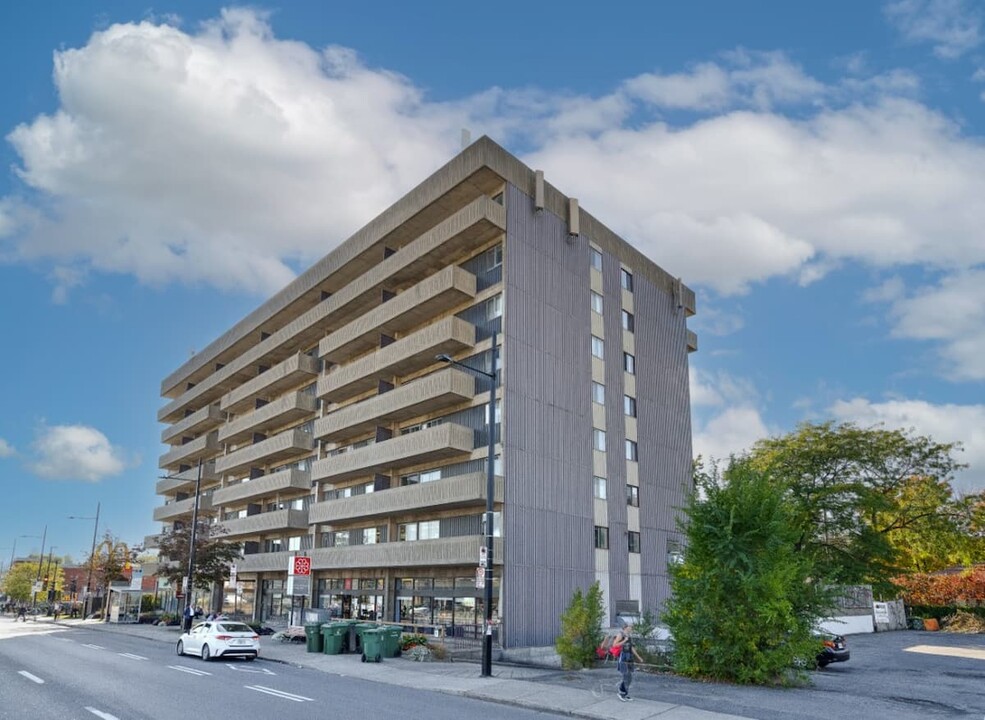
[(191, 547), (47, 570), (92, 559), (490, 491), (34, 595)]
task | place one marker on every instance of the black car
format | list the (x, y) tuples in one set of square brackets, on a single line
[(834, 649)]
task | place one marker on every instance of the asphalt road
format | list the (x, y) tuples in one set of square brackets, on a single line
[(79, 674), (882, 681)]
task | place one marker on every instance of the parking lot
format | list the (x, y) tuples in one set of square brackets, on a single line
[(902, 675)]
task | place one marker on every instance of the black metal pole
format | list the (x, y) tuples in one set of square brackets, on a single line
[(87, 605), (34, 595), (490, 496), (191, 544)]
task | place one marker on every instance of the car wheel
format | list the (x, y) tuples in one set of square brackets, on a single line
[(206, 653), (251, 658), (180, 648)]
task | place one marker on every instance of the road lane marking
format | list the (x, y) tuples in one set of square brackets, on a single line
[(94, 647), (191, 671), (279, 693), (262, 671), (132, 656), (973, 653), (101, 714), (32, 678)]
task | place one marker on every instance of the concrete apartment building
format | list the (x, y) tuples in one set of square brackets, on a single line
[(325, 425)]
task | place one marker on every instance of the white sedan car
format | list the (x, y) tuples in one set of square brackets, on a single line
[(220, 638)]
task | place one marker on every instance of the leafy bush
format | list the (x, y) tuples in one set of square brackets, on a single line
[(438, 651), (743, 603), (942, 590), (581, 628), (942, 611), (409, 641)]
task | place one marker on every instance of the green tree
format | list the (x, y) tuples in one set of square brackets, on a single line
[(581, 628), (110, 560), (213, 555), (744, 599), (19, 580), (852, 489)]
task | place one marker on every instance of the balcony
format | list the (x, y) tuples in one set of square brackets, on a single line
[(198, 422), (422, 553), (265, 562), (267, 485), (282, 411), (185, 481), (475, 224), (192, 451), (432, 444), (288, 444), (411, 308), (181, 508), (292, 372), (454, 492), (263, 523), (428, 394), (152, 542), (692, 341), (407, 355)]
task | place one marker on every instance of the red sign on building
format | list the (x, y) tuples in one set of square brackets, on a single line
[(301, 565)]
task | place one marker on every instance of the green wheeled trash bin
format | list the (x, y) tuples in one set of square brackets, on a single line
[(391, 640), (372, 639), (312, 633), (334, 636), (357, 634)]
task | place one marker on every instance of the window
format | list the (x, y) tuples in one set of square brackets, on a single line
[(427, 530), (598, 393), (598, 439), (371, 536), (494, 307), (629, 363), (596, 302), (629, 405), (598, 347), (675, 553), (631, 452), (294, 543), (599, 486), (632, 495), (626, 278), (341, 538), (496, 257), (601, 538), (634, 542), (628, 321), (499, 413), (596, 259)]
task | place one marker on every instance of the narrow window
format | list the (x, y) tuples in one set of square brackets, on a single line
[(598, 439), (631, 452), (598, 347), (629, 363), (629, 405), (634, 542), (626, 278), (600, 485), (596, 302), (632, 496), (596, 259), (598, 393), (628, 321), (601, 538)]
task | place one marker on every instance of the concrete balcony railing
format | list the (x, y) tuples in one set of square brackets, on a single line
[(264, 523), (181, 508), (427, 553), (411, 308), (454, 492), (206, 446), (472, 226), (198, 422), (185, 481), (267, 485), (285, 445), (425, 395), (409, 354), (282, 411), (264, 562), (289, 373), (692, 341), (434, 443), (152, 542)]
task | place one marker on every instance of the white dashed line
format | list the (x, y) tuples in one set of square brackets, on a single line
[(132, 656), (279, 693), (32, 678), (190, 671), (101, 714), (94, 647)]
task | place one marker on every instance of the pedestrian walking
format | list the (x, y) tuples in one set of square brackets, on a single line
[(627, 658)]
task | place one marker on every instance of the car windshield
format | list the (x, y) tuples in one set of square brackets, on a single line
[(233, 627)]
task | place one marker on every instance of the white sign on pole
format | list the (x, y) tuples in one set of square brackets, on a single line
[(37, 587), (480, 577), (482, 556), (881, 611), (232, 574), (136, 577)]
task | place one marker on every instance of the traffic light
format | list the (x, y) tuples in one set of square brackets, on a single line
[(73, 586), (44, 585)]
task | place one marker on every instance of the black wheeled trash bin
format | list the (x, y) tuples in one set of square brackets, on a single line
[(312, 634), (372, 641)]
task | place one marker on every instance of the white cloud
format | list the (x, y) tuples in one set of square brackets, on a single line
[(951, 313), (944, 423), (6, 449), (733, 424), (952, 26), (76, 452)]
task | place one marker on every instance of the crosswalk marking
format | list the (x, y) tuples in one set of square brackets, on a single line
[(190, 671), (94, 647), (279, 693), (132, 656), (32, 678)]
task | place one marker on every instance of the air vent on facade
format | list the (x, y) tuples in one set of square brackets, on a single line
[(538, 189), (574, 224)]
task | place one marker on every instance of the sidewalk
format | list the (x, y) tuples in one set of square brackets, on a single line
[(510, 685)]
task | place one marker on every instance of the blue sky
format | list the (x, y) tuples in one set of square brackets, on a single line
[(814, 171)]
